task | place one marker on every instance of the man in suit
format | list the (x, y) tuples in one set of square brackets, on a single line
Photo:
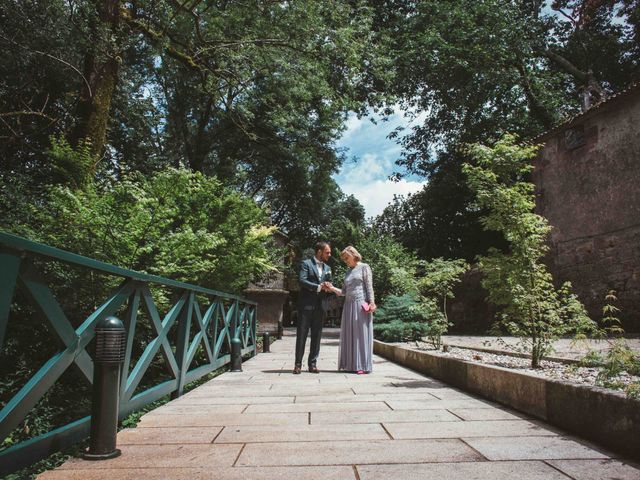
[(314, 277)]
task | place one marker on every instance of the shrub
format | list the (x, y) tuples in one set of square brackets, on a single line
[(410, 318), (397, 331)]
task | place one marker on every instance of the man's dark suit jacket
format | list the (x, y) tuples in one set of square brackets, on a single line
[(308, 278)]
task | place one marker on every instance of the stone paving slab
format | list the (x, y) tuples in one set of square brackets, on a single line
[(441, 393), (462, 471), (533, 448), (486, 414), (377, 379), (410, 416), (357, 452), (306, 390), (213, 420), (167, 435), (218, 473), (597, 469), (519, 428), (164, 456), (210, 401), (265, 423), (320, 407), (179, 409), (273, 391), (438, 404), (302, 433), (382, 397)]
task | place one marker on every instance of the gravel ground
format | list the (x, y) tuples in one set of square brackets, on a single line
[(554, 370)]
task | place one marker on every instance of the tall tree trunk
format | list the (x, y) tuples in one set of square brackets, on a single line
[(101, 67), (537, 109)]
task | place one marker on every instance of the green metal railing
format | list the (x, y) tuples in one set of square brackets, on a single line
[(224, 317)]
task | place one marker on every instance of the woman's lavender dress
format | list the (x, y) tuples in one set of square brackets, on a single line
[(356, 331)]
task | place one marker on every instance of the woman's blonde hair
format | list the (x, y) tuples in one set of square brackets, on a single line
[(352, 252)]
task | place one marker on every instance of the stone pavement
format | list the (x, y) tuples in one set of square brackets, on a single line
[(266, 423)]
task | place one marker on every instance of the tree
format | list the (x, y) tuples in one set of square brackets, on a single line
[(438, 277), (480, 69), (518, 281), (393, 265), (438, 220), (476, 70), (254, 93)]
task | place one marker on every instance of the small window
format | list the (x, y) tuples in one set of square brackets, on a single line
[(574, 138)]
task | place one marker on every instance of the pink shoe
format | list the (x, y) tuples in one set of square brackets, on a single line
[(360, 372)]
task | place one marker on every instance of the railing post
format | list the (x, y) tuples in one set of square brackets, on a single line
[(280, 330), (110, 352), (266, 342), (182, 344), (236, 343)]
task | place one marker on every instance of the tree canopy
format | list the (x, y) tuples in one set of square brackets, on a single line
[(254, 93), (477, 70)]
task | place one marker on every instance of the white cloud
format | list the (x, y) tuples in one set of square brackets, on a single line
[(353, 124), (376, 195), (375, 155), (368, 168)]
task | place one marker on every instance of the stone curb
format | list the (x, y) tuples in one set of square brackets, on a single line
[(604, 417)]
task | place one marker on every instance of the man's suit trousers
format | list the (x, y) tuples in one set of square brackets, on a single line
[(309, 320)]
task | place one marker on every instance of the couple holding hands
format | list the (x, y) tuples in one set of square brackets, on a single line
[(356, 328)]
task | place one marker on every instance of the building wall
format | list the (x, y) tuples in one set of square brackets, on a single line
[(587, 179)]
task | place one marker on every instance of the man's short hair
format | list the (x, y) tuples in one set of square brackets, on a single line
[(321, 245)]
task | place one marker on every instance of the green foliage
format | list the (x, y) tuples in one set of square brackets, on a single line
[(633, 390), (437, 322), (176, 224), (435, 283), (620, 358), (592, 359), (408, 317), (473, 70), (398, 331), (438, 277), (437, 221), (611, 324), (393, 265), (398, 309), (69, 166), (254, 93), (518, 281)]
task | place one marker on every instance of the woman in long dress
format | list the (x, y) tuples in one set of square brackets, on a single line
[(356, 330)]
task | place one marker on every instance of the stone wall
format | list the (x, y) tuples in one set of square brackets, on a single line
[(587, 180), (469, 312)]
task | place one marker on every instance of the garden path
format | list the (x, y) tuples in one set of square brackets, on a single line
[(266, 423)]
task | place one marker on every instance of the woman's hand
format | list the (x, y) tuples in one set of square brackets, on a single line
[(372, 307)]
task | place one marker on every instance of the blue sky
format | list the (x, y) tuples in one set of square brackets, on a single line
[(371, 159)]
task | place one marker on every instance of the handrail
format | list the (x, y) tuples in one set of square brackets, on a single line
[(224, 316), (23, 245)]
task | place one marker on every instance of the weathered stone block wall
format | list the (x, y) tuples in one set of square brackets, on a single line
[(469, 312), (587, 178)]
